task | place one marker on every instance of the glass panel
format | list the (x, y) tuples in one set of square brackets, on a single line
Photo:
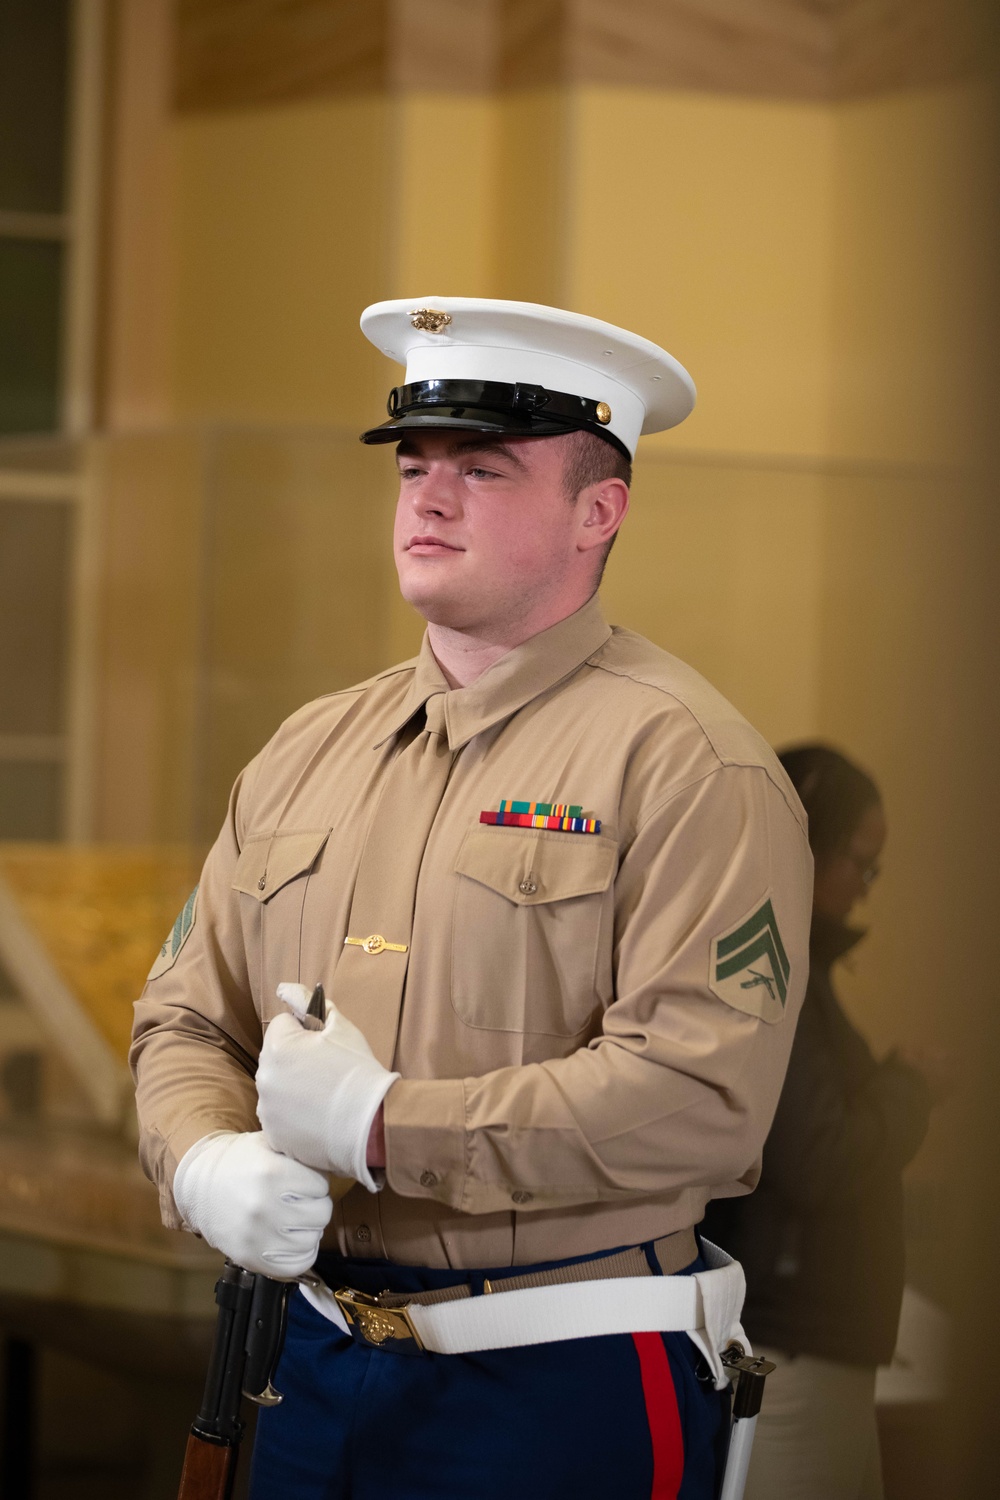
[(299, 532), (34, 58), (30, 303), (35, 544), (30, 800)]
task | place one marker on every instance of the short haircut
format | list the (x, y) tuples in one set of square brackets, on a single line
[(589, 459), (834, 791)]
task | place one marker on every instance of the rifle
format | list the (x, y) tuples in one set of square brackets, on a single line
[(249, 1334)]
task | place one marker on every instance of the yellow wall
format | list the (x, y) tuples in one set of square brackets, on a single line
[(705, 222), (912, 190), (909, 604), (283, 223), (442, 208)]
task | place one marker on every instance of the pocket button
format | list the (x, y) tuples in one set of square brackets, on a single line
[(521, 1196), (527, 887)]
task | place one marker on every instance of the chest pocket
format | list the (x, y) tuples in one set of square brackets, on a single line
[(530, 907), (274, 869)]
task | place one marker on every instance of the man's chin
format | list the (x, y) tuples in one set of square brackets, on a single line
[(438, 608)]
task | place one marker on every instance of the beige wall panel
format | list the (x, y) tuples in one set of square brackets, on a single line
[(444, 209), (238, 52), (911, 622), (533, 212), (298, 569), (904, 673), (909, 604), (721, 566), (282, 238), (909, 273), (705, 222), (149, 637)]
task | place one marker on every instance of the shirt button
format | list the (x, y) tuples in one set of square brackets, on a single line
[(262, 882), (363, 1233), (527, 888), (428, 1179), (521, 1196)]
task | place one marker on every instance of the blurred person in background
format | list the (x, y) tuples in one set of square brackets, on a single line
[(821, 1238)]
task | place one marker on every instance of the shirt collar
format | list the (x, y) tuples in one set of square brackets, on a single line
[(518, 677)]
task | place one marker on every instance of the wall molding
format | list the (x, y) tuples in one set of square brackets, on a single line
[(248, 53)]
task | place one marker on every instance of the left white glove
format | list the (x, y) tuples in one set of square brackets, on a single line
[(318, 1092)]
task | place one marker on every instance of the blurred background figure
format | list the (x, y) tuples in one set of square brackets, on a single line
[(821, 1238)]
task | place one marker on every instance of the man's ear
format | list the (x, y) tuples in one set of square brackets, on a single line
[(602, 509)]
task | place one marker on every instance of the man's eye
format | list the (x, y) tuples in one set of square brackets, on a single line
[(409, 473), (479, 473)]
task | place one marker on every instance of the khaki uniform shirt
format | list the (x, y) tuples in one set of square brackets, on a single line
[(594, 1027)]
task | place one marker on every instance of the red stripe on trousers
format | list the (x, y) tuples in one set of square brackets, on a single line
[(662, 1415)]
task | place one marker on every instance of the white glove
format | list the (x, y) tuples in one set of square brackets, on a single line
[(266, 1212), (318, 1092)]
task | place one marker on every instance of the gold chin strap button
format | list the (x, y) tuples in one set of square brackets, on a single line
[(375, 944)]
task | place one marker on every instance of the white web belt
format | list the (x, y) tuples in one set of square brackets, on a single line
[(705, 1305)]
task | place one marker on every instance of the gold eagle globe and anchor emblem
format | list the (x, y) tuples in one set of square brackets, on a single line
[(429, 320), (375, 1326)]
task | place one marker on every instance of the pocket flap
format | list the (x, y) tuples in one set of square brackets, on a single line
[(530, 866), (271, 861)]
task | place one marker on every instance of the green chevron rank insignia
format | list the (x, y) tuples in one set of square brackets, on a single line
[(177, 937), (750, 969)]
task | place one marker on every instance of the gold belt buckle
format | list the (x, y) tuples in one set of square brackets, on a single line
[(377, 1326)]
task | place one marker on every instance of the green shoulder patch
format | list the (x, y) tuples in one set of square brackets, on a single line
[(749, 966), (178, 936)]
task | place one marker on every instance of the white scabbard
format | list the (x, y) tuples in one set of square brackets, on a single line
[(738, 1458)]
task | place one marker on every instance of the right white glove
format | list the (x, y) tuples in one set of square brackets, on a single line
[(264, 1210)]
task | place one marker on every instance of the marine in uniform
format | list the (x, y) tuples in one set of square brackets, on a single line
[(558, 894)]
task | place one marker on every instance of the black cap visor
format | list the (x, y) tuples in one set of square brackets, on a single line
[(492, 407)]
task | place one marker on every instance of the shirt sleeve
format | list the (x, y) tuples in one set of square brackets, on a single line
[(197, 1035), (712, 909)]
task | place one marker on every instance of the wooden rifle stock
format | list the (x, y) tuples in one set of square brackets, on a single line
[(249, 1333), (209, 1470)]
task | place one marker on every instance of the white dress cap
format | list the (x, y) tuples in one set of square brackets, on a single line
[(485, 365)]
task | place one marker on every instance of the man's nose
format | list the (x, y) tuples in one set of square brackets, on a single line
[(437, 495)]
